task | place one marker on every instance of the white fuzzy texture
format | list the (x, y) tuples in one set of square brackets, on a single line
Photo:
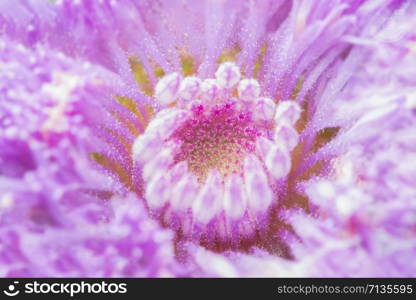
[(287, 112), (248, 89), (264, 109), (184, 192), (278, 162), (286, 136), (259, 193), (208, 201), (210, 90), (228, 75), (145, 146), (167, 88), (190, 88), (235, 198)]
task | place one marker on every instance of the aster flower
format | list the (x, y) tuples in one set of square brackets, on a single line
[(206, 138), (218, 157)]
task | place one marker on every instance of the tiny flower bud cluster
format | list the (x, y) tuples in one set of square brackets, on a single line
[(219, 158)]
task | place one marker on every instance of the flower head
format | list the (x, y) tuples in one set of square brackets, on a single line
[(219, 155), (207, 138)]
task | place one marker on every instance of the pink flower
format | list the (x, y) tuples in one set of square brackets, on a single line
[(211, 165), (207, 138)]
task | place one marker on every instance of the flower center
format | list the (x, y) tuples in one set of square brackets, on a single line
[(214, 155), (216, 140)]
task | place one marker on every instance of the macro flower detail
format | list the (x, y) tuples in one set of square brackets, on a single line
[(212, 160), (55, 206), (207, 138)]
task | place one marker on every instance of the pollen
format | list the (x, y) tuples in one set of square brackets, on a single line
[(218, 140)]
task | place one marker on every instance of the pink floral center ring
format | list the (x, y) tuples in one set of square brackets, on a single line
[(214, 154)]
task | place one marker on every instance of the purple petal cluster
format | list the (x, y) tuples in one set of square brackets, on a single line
[(364, 216), (60, 214), (207, 138)]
